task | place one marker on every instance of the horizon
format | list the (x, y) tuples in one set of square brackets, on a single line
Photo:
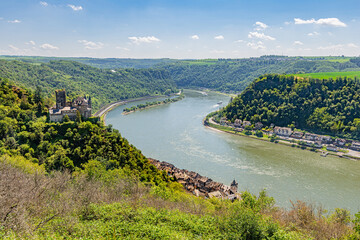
[(156, 29)]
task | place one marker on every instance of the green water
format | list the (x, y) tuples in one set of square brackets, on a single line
[(174, 133)]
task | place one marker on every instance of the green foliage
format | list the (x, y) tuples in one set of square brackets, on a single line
[(149, 104), (67, 145), (329, 106), (234, 75), (104, 86)]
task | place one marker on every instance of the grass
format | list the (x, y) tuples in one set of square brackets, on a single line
[(327, 75)]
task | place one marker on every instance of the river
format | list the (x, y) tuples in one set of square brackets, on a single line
[(174, 133)]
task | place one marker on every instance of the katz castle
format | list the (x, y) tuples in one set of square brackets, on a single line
[(63, 108)]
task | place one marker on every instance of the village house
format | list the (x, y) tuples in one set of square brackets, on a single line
[(318, 144), (340, 142), (282, 131), (64, 108), (332, 148), (237, 123), (310, 136), (355, 146), (223, 121), (246, 123), (297, 134), (326, 139), (258, 125)]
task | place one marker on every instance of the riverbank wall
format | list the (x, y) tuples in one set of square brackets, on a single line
[(200, 186)]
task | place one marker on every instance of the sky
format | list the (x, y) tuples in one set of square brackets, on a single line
[(181, 29)]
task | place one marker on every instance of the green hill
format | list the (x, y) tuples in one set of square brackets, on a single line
[(234, 75), (104, 86), (82, 180), (320, 105)]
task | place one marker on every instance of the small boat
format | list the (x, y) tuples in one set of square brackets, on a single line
[(219, 102)]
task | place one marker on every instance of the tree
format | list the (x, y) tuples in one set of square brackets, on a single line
[(66, 118), (78, 117)]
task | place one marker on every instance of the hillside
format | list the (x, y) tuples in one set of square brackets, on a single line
[(320, 105), (80, 179), (103, 86), (25, 131), (234, 75), (228, 75)]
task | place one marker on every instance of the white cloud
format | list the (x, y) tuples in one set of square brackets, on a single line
[(287, 23), (334, 22), (338, 46), (313, 34), (30, 43), (352, 45), (216, 51), (260, 36), (195, 37), (260, 26), (13, 48), (139, 40), (14, 21), (123, 48), (239, 41), (75, 8), (45, 4), (298, 43), (220, 37), (332, 47), (256, 46), (48, 46), (91, 45)]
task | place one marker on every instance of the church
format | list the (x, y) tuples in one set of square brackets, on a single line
[(62, 108)]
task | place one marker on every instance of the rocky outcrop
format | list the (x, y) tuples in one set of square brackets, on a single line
[(200, 186)]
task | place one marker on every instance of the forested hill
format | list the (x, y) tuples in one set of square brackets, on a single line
[(229, 75), (25, 131), (103, 85), (330, 106), (234, 75)]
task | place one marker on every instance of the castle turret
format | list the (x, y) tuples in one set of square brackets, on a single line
[(60, 99), (90, 102), (234, 187)]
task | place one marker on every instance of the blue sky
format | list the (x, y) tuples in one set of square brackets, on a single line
[(179, 28)]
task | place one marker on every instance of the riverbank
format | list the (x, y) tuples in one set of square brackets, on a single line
[(101, 113), (148, 105), (215, 126)]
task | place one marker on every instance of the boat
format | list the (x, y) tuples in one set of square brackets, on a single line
[(324, 154), (219, 102)]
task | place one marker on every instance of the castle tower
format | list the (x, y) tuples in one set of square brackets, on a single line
[(90, 102), (60, 99), (234, 187)]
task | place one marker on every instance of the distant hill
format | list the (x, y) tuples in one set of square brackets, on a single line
[(329, 106), (103, 85), (108, 63), (234, 75), (227, 75)]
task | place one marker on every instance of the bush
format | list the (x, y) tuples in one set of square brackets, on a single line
[(259, 133)]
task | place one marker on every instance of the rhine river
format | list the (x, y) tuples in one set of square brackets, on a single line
[(174, 133)]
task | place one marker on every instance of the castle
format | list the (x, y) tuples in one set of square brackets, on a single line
[(81, 104)]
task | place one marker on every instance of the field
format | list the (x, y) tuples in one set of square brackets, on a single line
[(327, 75)]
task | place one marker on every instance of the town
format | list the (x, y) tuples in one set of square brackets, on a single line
[(303, 138)]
